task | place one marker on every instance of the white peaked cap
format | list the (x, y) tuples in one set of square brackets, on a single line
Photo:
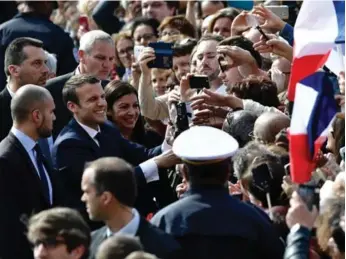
[(204, 143)]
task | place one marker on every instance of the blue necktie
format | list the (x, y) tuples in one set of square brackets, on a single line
[(43, 176)]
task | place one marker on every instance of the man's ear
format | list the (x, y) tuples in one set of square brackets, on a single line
[(71, 106), (81, 56), (78, 252), (13, 70)]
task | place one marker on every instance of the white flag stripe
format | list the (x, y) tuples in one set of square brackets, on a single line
[(316, 28), (303, 104)]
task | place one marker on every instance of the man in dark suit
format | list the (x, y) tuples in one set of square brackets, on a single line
[(27, 182), (109, 191), (25, 64), (89, 136), (96, 55), (207, 221), (34, 22)]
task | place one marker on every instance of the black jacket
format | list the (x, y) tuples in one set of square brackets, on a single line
[(298, 244), (21, 196), (154, 241)]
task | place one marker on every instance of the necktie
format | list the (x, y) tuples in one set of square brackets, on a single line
[(43, 176), (98, 138)]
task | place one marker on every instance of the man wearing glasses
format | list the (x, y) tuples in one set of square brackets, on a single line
[(59, 233)]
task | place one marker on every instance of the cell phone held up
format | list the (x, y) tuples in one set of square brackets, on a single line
[(199, 82), (83, 22), (182, 120), (163, 55), (310, 194)]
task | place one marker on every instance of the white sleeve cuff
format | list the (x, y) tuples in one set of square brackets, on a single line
[(165, 146), (150, 170)]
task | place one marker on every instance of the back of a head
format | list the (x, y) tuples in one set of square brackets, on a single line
[(210, 37), (240, 124), (88, 40), (118, 247), (184, 47), (116, 176), (243, 43), (52, 62), (258, 89), (268, 125), (27, 99)]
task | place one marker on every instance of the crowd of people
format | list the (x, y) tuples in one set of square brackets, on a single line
[(104, 155)]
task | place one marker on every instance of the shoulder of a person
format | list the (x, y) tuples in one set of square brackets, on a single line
[(59, 80)]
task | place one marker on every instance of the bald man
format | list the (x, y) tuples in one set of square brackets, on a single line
[(268, 125), (27, 184)]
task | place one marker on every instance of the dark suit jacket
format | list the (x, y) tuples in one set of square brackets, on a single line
[(20, 197), (6, 123), (5, 113), (154, 241), (63, 115), (209, 223), (74, 147), (55, 40)]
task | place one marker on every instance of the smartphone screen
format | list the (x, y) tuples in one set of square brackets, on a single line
[(310, 195), (199, 82), (261, 176)]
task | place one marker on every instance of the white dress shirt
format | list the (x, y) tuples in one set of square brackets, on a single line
[(29, 144), (149, 167), (130, 229)]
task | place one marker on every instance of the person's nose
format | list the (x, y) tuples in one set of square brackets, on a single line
[(222, 75), (144, 42), (53, 116), (45, 69)]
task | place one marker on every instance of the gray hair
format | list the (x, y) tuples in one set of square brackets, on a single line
[(89, 39), (52, 62), (27, 99)]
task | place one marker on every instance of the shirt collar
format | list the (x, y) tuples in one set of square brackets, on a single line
[(10, 91), (91, 132), (130, 229), (222, 90), (27, 142)]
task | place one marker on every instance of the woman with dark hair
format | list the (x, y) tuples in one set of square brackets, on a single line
[(123, 110), (144, 31)]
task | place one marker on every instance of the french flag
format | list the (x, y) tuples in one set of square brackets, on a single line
[(319, 26), (313, 111)]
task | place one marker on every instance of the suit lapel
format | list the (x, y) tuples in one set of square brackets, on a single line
[(98, 237), (82, 133), (25, 154)]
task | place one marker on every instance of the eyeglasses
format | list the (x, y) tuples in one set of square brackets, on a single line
[(123, 52), (169, 33), (48, 242)]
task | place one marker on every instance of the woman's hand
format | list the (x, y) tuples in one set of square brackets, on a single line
[(147, 55), (185, 91), (271, 20), (274, 45), (238, 56), (299, 213)]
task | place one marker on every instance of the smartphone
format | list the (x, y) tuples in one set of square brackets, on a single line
[(83, 22), (163, 55), (182, 121), (310, 195), (280, 10), (137, 50), (262, 32), (199, 82), (251, 20), (261, 178)]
